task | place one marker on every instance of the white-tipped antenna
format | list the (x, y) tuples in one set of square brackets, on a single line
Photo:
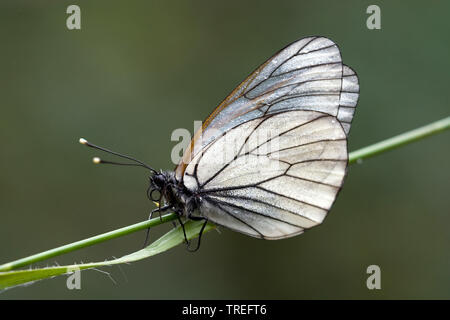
[(97, 160)]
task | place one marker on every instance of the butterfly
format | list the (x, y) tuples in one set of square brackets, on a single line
[(270, 160)]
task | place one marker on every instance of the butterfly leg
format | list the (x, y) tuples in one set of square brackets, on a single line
[(160, 209), (200, 233), (184, 230)]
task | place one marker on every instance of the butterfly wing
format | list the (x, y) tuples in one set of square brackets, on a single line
[(306, 75), (271, 177), (271, 158)]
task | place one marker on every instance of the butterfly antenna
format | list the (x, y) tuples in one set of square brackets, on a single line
[(97, 160)]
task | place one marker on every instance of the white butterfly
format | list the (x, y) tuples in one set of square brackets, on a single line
[(271, 158)]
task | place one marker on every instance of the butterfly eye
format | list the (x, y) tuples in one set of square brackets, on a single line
[(154, 195)]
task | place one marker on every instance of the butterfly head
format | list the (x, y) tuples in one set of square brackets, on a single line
[(159, 183)]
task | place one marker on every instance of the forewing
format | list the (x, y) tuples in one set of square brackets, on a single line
[(271, 177), (306, 75)]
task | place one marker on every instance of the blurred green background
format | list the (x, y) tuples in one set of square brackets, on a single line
[(137, 70)]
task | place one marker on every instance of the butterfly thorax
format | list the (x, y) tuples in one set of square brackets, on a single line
[(174, 193)]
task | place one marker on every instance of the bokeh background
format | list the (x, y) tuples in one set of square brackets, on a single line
[(137, 70)]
